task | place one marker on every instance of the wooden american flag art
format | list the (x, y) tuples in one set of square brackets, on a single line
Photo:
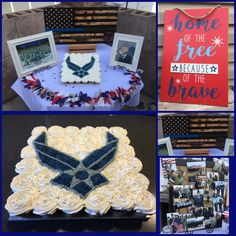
[(81, 25), (198, 131)]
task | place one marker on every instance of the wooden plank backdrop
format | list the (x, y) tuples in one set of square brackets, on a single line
[(81, 25), (196, 132)]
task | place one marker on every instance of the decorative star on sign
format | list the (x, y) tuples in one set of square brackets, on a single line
[(80, 177), (213, 68), (174, 68), (80, 71), (169, 28), (217, 41)]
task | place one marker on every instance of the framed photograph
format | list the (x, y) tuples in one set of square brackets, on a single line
[(126, 51), (163, 179), (165, 147), (196, 168), (229, 147), (168, 165), (33, 52)]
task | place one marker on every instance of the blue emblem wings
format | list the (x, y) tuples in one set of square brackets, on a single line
[(71, 65), (80, 177), (51, 157), (80, 71), (89, 65)]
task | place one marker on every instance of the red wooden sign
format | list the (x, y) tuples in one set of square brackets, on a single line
[(195, 57)]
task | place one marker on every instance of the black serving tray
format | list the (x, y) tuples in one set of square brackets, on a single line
[(61, 216)]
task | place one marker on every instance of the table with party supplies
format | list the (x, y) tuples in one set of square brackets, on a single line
[(44, 91)]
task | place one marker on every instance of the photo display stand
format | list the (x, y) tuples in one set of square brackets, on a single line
[(197, 195)]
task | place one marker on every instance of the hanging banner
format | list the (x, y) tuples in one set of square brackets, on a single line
[(195, 57)]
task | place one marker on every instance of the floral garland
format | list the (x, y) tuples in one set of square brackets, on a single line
[(78, 99)]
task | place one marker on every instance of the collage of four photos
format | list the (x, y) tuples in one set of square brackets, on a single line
[(117, 116)]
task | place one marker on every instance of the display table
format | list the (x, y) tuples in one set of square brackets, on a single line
[(44, 91), (212, 152)]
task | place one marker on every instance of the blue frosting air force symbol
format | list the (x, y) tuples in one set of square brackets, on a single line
[(80, 177), (80, 71)]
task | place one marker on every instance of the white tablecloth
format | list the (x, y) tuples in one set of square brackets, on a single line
[(50, 78)]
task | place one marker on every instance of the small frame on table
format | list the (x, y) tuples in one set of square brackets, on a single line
[(229, 147), (126, 51), (164, 147), (33, 52)]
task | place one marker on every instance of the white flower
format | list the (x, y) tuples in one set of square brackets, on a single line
[(44, 203), (72, 130), (56, 131), (136, 182), (27, 165), (38, 130), (70, 202), (145, 203), (123, 201), (28, 152), (97, 203), (19, 203), (118, 131), (42, 177), (22, 182)]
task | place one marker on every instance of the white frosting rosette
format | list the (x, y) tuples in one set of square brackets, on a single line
[(38, 130), (136, 182), (79, 155), (56, 143), (28, 152), (31, 139), (124, 140), (70, 202), (44, 203), (145, 203), (108, 190), (42, 177), (122, 201), (102, 129), (22, 182), (87, 130), (123, 166), (134, 164), (55, 189), (111, 169), (117, 182), (93, 142), (71, 130), (118, 130), (28, 165), (97, 203), (124, 151), (19, 203), (56, 131)]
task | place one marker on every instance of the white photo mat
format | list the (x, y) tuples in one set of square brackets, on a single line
[(12, 44), (167, 142), (228, 143), (137, 40)]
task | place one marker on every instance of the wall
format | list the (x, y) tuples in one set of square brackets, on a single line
[(142, 6), (9, 7)]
